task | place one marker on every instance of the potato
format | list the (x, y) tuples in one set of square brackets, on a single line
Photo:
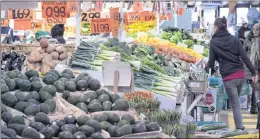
[(50, 48), (52, 64), (63, 56), (44, 54), (40, 50), (47, 58), (35, 56), (45, 68), (55, 55), (60, 49), (44, 43)]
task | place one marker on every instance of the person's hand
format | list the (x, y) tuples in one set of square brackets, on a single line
[(255, 78)]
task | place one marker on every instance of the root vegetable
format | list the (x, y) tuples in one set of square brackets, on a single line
[(35, 57), (55, 55), (44, 43), (50, 48), (40, 50), (60, 49), (45, 68), (63, 56)]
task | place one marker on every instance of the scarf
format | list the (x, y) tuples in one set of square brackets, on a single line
[(255, 51)]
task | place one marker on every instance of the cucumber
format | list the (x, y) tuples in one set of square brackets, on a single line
[(207, 127), (79, 64)]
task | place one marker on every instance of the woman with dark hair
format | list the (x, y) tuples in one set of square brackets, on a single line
[(251, 46), (229, 53)]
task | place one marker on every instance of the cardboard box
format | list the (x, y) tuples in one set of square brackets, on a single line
[(126, 76)]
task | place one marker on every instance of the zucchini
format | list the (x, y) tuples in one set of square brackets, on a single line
[(207, 127), (80, 64)]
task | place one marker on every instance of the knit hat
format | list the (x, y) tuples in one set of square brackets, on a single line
[(221, 23)]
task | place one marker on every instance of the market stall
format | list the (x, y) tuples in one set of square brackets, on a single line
[(115, 69)]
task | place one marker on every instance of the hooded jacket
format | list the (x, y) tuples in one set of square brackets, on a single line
[(229, 53)]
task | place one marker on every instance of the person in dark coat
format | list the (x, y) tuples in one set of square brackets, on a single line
[(57, 32), (242, 30), (252, 47), (228, 51)]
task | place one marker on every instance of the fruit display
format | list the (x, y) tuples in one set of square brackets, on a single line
[(85, 29), (167, 47), (25, 93), (45, 57), (139, 26)]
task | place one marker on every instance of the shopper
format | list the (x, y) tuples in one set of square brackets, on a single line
[(241, 32), (57, 32), (251, 46), (228, 52)]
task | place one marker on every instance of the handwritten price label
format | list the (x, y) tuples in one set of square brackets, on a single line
[(55, 9), (4, 22), (24, 24), (20, 14), (85, 17), (55, 20), (148, 16), (133, 17), (102, 25)]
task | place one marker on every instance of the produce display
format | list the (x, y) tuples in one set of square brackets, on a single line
[(140, 26), (25, 92), (45, 57), (85, 28), (12, 60)]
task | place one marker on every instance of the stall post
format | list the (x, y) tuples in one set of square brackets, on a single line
[(78, 25)]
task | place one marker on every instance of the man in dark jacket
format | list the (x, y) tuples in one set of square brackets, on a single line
[(242, 30), (57, 32), (228, 52)]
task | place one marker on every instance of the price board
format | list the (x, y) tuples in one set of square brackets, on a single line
[(133, 17), (101, 25), (114, 15), (55, 9), (24, 24), (86, 17), (4, 23), (148, 16), (55, 20), (73, 6), (20, 14)]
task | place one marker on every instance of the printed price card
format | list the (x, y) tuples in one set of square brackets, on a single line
[(114, 15), (20, 14), (102, 25), (86, 17), (4, 23), (55, 20), (133, 17), (55, 9), (148, 16)]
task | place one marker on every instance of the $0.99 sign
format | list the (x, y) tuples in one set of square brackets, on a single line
[(55, 9), (102, 25)]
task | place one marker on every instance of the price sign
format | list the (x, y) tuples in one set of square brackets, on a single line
[(138, 6), (4, 23), (24, 24), (101, 25), (20, 14), (148, 16), (133, 17), (72, 6), (86, 17), (55, 20), (55, 9), (114, 15)]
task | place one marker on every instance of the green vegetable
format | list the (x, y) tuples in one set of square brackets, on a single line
[(6, 116), (97, 136), (82, 85), (44, 108), (69, 127), (44, 95), (32, 110), (20, 106), (42, 118), (16, 120), (31, 73), (18, 128), (51, 103), (112, 118), (153, 126), (121, 105), (32, 101), (49, 79), (95, 101), (95, 124), (128, 118), (4, 88), (81, 120), (9, 99), (70, 119), (48, 132), (207, 127), (82, 106), (25, 85), (103, 98), (30, 133), (139, 128), (107, 106), (102, 91), (79, 135), (11, 84), (73, 100), (100, 117), (36, 86), (19, 95), (124, 130), (93, 84), (36, 125), (105, 125), (95, 107), (64, 80), (8, 132), (65, 135), (70, 86), (60, 86), (123, 122), (33, 95), (112, 130), (91, 95)]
